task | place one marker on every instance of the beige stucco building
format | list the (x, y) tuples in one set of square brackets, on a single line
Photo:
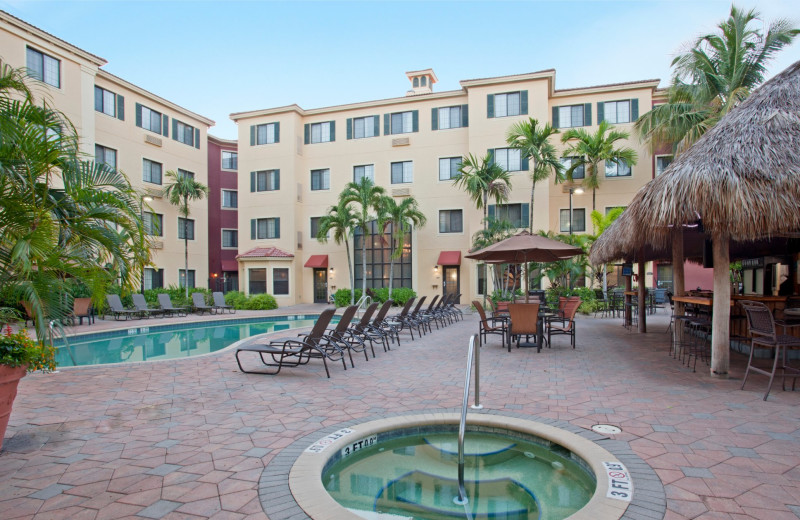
[(300, 160), (136, 131)]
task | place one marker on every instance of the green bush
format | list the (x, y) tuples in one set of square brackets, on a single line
[(177, 296), (401, 295), (236, 299), (261, 302), (381, 295), (341, 297), (587, 296)]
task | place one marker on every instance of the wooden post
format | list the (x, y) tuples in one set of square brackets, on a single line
[(678, 280), (721, 310), (627, 310), (642, 295)]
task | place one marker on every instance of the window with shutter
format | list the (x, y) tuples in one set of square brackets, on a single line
[(265, 134), (448, 168), (321, 132), (402, 172), (320, 179)]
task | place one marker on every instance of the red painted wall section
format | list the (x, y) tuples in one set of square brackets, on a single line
[(219, 218), (697, 276)]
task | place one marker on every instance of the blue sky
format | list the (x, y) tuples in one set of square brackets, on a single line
[(216, 58)]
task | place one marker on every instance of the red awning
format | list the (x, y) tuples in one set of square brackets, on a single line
[(449, 258), (230, 265), (317, 261)]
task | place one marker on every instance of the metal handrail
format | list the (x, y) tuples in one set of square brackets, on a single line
[(362, 304), (57, 324), (462, 499)]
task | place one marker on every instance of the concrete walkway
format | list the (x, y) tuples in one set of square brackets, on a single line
[(189, 438)]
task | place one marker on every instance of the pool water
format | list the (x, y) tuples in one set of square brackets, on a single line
[(415, 476), (142, 343)]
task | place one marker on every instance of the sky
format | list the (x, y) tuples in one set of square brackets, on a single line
[(220, 57)]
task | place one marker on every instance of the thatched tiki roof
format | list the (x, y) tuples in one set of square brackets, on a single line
[(741, 179)]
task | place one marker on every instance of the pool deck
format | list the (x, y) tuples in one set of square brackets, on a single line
[(189, 438)]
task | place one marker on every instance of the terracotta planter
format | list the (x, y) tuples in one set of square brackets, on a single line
[(9, 378)]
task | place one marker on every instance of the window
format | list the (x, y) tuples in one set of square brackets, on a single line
[(151, 171), (258, 281), (481, 278), (448, 168), (450, 117), (402, 172), (320, 179), (571, 116), (230, 160), (320, 132), (617, 111), (314, 227), (401, 122), (265, 134), (153, 224), (262, 228), (379, 248), (185, 134), (230, 199), (280, 281), (662, 161), (579, 172), (182, 278), (150, 119), (516, 214), (617, 170), (109, 103), (153, 278), (104, 155), (451, 221), (44, 67), (509, 159), (185, 228), (578, 220), (365, 127), (230, 238), (267, 180), (185, 173), (359, 172), (609, 209), (507, 104)]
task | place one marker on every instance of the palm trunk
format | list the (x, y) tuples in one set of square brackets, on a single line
[(594, 198), (350, 272), (186, 246), (391, 263), (364, 263), (533, 187)]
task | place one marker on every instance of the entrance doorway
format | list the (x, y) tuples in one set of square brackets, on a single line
[(320, 286), (451, 283)]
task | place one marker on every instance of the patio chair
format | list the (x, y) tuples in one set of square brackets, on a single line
[(395, 323), (491, 326), (291, 352), (141, 305), (117, 309), (764, 336), (358, 330), (379, 330), (220, 305), (337, 337), (412, 320), (82, 308), (166, 305), (564, 324), (523, 320), (200, 305)]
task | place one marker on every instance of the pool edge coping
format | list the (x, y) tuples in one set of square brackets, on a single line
[(279, 475)]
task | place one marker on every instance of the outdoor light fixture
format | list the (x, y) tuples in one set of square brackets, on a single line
[(436, 269), (331, 270)]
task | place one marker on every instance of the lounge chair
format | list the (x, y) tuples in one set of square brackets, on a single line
[(166, 305), (337, 337), (378, 330), (220, 305), (523, 321), (491, 326), (565, 323), (291, 352), (200, 305), (397, 322), (358, 331), (141, 305), (117, 309)]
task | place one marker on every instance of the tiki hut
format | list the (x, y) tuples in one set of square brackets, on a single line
[(738, 185)]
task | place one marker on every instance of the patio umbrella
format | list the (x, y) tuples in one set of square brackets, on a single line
[(741, 180), (523, 248)]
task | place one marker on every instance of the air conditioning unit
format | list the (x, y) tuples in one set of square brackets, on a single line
[(299, 192), (401, 141), (156, 244), (401, 192), (155, 141), (154, 193), (299, 240)]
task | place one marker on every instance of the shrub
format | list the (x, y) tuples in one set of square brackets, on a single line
[(261, 302), (401, 295), (587, 296), (341, 298), (236, 299), (19, 350), (381, 295)]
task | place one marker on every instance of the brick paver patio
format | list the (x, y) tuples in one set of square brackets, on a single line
[(189, 438)]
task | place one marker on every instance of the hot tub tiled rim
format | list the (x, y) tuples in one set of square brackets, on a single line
[(649, 498)]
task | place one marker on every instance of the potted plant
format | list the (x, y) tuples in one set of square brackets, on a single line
[(19, 354)]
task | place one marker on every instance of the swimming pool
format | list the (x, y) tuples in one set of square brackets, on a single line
[(180, 340)]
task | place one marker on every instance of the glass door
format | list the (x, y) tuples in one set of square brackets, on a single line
[(320, 286), (451, 282)]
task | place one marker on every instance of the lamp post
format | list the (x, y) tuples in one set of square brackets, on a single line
[(145, 198)]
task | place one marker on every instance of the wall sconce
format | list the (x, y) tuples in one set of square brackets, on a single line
[(436, 269), (331, 270)]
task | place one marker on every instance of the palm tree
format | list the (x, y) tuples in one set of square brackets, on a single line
[(494, 230), (60, 216), (367, 195), (600, 223), (590, 149), (402, 217), (180, 191), (533, 142), (482, 179), (713, 75), (340, 220)]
